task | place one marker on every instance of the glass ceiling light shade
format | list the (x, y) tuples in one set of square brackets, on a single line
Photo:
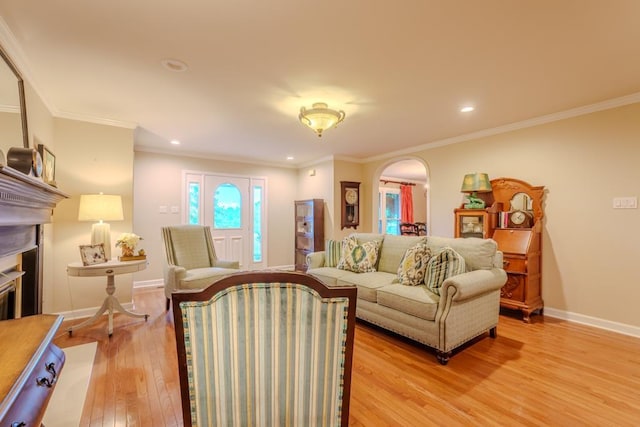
[(100, 208), (475, 183), (320, 117)]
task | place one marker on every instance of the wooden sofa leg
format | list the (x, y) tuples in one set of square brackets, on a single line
[(168, 304), (493, 332), (443, 357)]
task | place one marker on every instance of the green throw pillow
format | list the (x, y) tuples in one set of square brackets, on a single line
[(413, 266), (441, 266), (359, 258), (332, 253)]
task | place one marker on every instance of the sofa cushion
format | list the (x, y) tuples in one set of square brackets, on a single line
[(358, 257), (328, 275), (393, 249), (333, 251), (367, 283), (441, 266), (413, 265), (414, 300), (478, 253)]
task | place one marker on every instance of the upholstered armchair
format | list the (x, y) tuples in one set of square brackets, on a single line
[(191, 261), (265, 348)]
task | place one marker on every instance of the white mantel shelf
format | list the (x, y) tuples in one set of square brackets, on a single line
[(25, 200)]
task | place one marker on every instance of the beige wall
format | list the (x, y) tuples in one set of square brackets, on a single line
[(90, 158), (589, 249), (158, 182), (319, 185)]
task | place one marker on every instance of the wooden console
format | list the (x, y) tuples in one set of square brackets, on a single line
[(31, 364)]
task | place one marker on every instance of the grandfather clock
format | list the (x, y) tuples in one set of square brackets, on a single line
[(350, 204)]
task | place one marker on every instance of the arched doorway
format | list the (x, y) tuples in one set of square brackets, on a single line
[(411, 172)]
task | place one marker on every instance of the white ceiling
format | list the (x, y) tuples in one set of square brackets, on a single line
[(400, 70)]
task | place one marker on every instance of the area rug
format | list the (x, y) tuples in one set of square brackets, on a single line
[(67, 401)]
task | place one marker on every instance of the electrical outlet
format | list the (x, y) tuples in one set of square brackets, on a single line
[(625, 202)]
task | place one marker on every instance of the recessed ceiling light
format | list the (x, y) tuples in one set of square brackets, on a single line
[(289, 157), (467, 109), (175, 142), (174, 65)]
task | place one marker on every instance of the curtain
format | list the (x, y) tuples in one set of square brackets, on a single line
[(406, 202)]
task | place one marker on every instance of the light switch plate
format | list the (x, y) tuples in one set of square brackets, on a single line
[(625, 202)]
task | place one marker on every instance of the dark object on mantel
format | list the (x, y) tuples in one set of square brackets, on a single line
[(25, 204)]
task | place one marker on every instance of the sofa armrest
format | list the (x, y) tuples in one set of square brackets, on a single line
[(227, 264), (473, 283), (315, 259)]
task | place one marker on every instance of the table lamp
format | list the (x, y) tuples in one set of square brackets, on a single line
[(475, 183), (101, 208)]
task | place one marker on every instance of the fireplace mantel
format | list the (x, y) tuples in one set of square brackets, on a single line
[(25, 200)]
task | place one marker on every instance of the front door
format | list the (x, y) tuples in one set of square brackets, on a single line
[(227, 211)]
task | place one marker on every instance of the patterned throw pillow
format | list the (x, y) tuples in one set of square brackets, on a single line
[(359, 258), (441, 266), (332, 253), (414, 265)]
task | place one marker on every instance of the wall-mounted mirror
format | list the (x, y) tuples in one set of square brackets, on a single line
[(13, 114), (521, 202)]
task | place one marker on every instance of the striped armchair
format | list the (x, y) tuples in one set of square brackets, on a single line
[(265, 349)]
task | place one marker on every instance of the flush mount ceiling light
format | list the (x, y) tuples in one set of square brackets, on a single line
[(467, 109), (320, 117)]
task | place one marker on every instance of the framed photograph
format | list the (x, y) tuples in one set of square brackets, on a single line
[(92, 254), (48, 165)]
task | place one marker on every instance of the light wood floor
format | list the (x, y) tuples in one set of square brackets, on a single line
[(547, 373)]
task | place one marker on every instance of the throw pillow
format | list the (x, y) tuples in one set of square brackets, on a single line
[(333, 253), (359, 258), (413, 265), (441, 266)]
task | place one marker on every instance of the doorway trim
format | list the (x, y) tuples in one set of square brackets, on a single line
[(375, 184)]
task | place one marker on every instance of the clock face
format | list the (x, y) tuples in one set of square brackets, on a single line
[(351, 196), (518, 217)]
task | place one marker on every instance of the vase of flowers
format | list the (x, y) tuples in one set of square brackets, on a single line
[(127, 243)]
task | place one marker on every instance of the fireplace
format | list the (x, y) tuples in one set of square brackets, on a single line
[(25, 204)]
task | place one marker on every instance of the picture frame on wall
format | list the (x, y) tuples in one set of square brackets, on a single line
[(48, 165), (92, 254)]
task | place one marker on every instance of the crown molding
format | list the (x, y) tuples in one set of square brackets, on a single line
[(536, 121), (209, 156), (96, 120)]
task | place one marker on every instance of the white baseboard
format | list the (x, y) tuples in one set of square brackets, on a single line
[(609, 325), (155, 283)]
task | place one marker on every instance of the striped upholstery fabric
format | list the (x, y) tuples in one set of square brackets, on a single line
[(265, 354), (333, 253), (441, 266)]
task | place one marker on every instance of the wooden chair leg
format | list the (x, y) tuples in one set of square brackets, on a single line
[(168, 304), (493, 332)]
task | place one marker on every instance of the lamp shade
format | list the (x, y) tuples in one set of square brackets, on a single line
[(476, 183), (100, 207), (320, 117)]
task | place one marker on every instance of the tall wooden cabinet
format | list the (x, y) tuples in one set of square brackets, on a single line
[(514, 221), (309, 230)]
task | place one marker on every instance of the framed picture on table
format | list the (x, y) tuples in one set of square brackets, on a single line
[(48, 165), (92, 254)]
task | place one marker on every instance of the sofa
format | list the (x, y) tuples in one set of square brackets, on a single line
[(465, 306)]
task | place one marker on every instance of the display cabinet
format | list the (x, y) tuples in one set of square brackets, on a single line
[(475, 222), (309, 230)]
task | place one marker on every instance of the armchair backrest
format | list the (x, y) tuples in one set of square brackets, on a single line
[(189, 246), (265, 349)]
